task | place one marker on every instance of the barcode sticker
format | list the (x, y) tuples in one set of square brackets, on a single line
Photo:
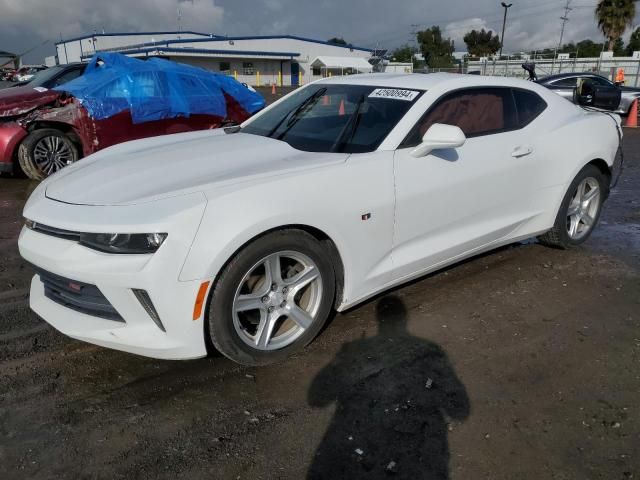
[(394, 94)]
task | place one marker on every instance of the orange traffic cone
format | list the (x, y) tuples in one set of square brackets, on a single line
[(341, 110), (273, 89), (632, 118)]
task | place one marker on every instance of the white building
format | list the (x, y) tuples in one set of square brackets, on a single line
[(256, 60), (398, 67)]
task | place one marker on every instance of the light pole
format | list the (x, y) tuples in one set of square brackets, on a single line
[(504, 22)]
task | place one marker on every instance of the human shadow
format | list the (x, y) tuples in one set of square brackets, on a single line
[(395, 395)]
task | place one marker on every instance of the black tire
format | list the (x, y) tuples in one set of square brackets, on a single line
[(558, 236), (27, 159), (220, 319)]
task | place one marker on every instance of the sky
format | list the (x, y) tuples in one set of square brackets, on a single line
[(531, 24)]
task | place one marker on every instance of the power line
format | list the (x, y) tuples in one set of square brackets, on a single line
[(492, 23), (471, 21), (476, 20)]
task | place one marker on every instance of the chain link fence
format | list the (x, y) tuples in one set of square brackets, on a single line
[(607, 67)]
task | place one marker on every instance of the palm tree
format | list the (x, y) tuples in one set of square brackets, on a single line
[(614, 16)]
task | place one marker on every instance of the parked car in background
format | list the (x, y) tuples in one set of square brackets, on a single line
[(54, 76), (564, 84), (15, 73), (28, 74), (6, 74), (248, 237), (18, 101), (116, 99)]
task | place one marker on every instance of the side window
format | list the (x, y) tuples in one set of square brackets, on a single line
[(598, 80), (67, 77), (477, 111), (565, 82), (529, 106)]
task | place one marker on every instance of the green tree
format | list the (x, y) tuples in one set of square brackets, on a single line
[(437, 51), (482, 43), (569, 48), (337, 41), (614, 16), (403, 54), (588, 48), (634, 43)]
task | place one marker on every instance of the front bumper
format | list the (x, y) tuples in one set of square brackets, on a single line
[(116, 277)]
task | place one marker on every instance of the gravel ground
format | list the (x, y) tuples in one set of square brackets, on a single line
[(520, 364)]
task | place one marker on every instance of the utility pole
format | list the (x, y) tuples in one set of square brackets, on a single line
[(565, 19), (504, 22), (414, 33)]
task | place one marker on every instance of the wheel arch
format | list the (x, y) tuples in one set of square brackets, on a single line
[(319, 234), (65, 128), (595, 160), (602, 166)]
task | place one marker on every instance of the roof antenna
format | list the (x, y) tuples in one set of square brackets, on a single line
[(179, 21)]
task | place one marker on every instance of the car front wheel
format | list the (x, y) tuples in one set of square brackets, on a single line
[(272, 298), (45, 151), (580, 209)]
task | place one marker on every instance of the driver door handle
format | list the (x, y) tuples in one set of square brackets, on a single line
[(521, 151)]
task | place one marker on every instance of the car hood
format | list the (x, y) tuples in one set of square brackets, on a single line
[(20, 100), (147, 170)]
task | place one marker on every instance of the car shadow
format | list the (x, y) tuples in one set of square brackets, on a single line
[(394, 396)]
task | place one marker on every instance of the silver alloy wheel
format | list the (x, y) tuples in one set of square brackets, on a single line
[(277, 300), (583, 208), (51, 154)]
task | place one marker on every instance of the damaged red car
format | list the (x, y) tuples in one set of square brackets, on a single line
[(117, 99)]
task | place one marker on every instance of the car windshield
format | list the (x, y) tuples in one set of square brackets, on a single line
[(43, 76), (335, 118)]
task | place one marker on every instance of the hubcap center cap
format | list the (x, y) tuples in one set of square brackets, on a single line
[(276, 298)]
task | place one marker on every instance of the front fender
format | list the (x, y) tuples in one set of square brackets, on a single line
[(334, 200)]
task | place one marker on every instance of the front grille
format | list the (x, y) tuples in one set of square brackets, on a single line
[(78, 296)]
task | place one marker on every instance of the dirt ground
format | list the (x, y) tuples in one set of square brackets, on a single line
[(520, 364)]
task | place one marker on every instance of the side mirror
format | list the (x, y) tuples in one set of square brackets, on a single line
[(439, 136), (597, 96)]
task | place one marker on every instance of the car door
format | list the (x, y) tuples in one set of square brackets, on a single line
[(454, 201)]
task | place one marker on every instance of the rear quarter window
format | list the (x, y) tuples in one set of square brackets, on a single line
[(529, 105)]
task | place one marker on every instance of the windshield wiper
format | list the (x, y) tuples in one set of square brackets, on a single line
[(292, 117), (351, 127)]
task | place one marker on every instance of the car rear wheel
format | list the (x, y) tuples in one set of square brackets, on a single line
[(45, 151), (580, 209), (272, 298)]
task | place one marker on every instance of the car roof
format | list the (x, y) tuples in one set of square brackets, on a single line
[(421, 81), (73, 64), (560, 76)]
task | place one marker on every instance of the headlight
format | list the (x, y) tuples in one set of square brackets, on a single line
[(123, 242)]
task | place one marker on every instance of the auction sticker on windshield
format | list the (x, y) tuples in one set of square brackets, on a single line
[(394, 94)]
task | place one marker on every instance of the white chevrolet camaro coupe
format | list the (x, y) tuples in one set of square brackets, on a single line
[(247, 238)]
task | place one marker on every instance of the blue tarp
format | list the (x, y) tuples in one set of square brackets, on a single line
[(155, 89)]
